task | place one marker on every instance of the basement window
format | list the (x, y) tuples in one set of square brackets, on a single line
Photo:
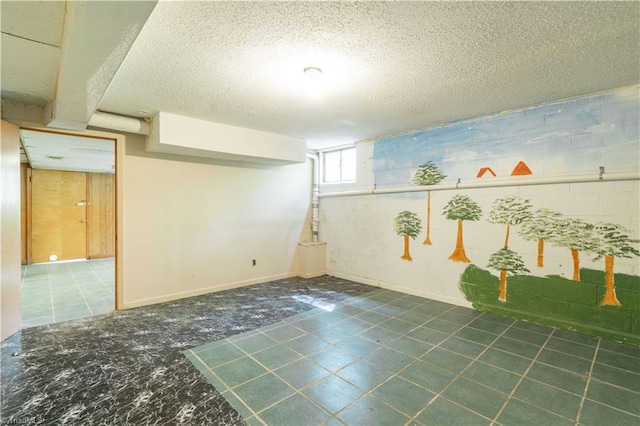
[(339, 165)]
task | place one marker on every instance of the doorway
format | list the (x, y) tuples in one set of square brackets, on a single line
[(69, 232)]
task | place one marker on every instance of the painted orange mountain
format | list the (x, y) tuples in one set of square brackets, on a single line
[(521, 169), (484, 170)]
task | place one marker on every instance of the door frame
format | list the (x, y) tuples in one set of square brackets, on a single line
[(119, 141)]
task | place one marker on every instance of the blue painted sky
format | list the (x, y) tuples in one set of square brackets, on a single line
[(565, 138)]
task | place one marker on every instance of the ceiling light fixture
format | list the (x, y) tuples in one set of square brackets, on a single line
[(312, 71), (313, 83)]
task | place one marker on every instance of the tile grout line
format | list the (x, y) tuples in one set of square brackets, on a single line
[(331, 416), (395, 374), (534, 380), (522, 377), (369, 393), (230, 390), (75, 281), (459, 375), (110, 288), (271, 371), (586, 385)]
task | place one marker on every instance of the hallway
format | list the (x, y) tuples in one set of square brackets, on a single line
[(62, 291)]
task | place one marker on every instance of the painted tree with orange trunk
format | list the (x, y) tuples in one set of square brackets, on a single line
[(542, 226), (408, 225), (428, 174), (613, 241), (576, 235), (461, 208), (508, 262), (510, 211)]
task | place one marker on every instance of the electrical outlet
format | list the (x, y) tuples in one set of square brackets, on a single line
[(254, 262)]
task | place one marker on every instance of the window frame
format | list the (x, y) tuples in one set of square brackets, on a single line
[(341, 150)]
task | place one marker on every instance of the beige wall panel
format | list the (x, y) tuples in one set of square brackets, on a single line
[(100, 215)]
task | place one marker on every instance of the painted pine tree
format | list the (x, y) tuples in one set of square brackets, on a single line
[(613, 241), (428, 174), (508, 262), (461, 208), (407, 224), (510, 211), (542, 226), (576, 235)]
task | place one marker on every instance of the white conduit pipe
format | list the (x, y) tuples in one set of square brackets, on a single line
[(516, 181), (315, 195), (105, 120)]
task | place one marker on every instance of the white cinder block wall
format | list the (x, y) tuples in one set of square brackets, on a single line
[(567, 138)]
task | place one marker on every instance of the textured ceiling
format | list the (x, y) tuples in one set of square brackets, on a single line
[(387, 67)]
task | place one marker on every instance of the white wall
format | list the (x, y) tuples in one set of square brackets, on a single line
[(193, 226)]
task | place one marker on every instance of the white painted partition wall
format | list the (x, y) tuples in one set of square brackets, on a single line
[(193, 226)]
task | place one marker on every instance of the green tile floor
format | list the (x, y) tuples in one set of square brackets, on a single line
[(61, 291), (387, 358)]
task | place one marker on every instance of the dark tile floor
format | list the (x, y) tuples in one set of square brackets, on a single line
[(307, 352), (127, 368), (387, 358)]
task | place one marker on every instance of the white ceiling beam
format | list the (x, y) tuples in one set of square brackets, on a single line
[(222, 142), (96, 39), (21, 114)]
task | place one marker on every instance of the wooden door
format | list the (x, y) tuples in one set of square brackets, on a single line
[(101, 229), (58, 215)]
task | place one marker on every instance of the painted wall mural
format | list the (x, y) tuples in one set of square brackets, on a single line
[(556, 253), (606, 241), (407, 224), (568, 138), (461, 208), (428, 174), (571, 137)]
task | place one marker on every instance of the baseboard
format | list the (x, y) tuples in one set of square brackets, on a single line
[(100, 256), (310, 275), (201, 291), (402, 289)]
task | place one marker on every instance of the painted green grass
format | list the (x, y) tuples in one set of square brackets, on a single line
[(560, 302)]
